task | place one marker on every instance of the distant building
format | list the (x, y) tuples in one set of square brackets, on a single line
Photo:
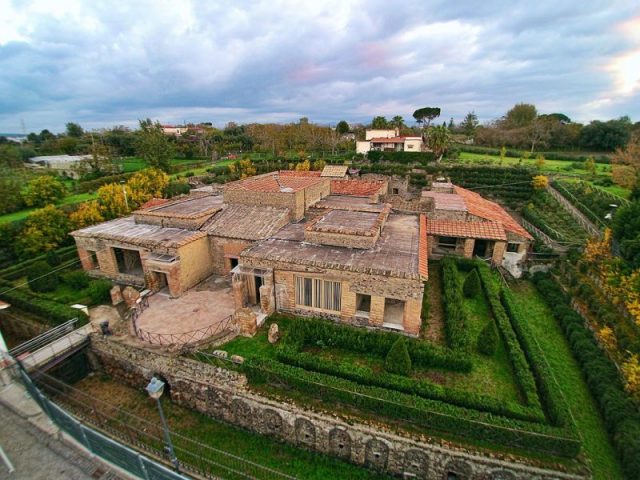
[(179, 130), (66, 165), (388, 140)]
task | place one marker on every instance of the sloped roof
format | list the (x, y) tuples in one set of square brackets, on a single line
[(334, 171), (483, 208), (464, 229), (126, 230), (299, 173), (447, 201), (356, 188), (274, 183), (247, 222), (387, 140)]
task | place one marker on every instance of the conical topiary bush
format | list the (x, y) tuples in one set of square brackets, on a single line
[(398, 359), (471, 286), (488, 339)]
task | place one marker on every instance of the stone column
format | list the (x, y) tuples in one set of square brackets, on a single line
[(246, 320), (239, 291), (498, 252), (411, 318), (267, 299), (469, 243)]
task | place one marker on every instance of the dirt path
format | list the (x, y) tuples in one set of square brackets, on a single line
[(435, 328)]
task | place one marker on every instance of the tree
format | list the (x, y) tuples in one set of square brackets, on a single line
[(44, 190), (145, 185), (153, 145), (625, 168), (379, 123), (10, 196), (87, 214), (539, 182), (303, 166), (397, 122), (246, 168), (626, 231), (540, 161), (426, 114), (539, 131), (521, 115), (590, 165), (488, 339), (438, 141), (99, 163), (74, 130), (398, 360), (608, 136), (342, 127), (471, 286), (112, 200), (45, 229)]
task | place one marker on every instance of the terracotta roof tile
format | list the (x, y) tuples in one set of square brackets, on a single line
[(465, 229), (274, 183), (447, 201), (387, 140), (334, 171), (423, 262), (356, 188), (296, 173), (247, 222), (483, 208)]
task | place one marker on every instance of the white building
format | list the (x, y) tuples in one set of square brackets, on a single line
[(388, 140)]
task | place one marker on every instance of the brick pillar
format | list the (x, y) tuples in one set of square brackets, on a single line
[(498, 252), (376, 315), (86, 259), (107, 261), (246, 320), (267, 299), (469, 243), (174, 282), (239, 292), (411, 319), (347, 302)]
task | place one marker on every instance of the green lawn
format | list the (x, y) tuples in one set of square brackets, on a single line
[(263, 450), (566, 370), (68, 200)]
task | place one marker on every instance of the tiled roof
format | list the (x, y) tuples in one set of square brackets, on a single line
[(298, 173), (356, 188), (247, 222), (190, 207), (154, 202), (465, 229), (483, 208), (274, 183), (334, 171)]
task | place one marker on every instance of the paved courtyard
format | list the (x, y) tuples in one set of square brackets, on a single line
[(210, 303)]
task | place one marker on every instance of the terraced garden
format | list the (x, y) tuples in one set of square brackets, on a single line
[(546, 213), (504, 399)]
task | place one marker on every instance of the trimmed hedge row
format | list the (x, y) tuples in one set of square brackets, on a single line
[(621, 417), (93, 185), (18, 270), (456, 322), (566, 157), (366, 376), (309, 331), (53, 312), (375, 156), (523, 374), (430, 414), (552, 399)]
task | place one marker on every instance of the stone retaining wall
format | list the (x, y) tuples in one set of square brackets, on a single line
[(223, 394)]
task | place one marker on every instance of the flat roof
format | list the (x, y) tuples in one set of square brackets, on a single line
[(273, 182), (446, 201), (190, 207), (396, 253), (346, 221), (347, 202), (126, 230)]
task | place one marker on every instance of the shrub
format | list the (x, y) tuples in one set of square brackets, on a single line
[(488, 339), (176, 188), (471, 286), (99, 291), (456, 316), (77, 279), (426, 306), (398, 360), (41, 278), (53, 259)]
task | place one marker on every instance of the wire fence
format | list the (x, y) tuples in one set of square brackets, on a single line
[(185, 338), (88, 419)]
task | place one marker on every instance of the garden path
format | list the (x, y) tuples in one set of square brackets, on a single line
[(435, 328)]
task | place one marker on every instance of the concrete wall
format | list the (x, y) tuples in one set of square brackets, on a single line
[(413, 145), (195, 263), (381, 133), (222, 394)]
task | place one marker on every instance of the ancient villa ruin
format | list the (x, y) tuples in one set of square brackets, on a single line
[(311, 243)]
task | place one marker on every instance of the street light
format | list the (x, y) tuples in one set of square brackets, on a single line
[(124, 191), (155, 390)]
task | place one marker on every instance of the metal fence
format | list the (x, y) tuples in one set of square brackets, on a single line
[(185, 338), (99, 444), (44, 338)]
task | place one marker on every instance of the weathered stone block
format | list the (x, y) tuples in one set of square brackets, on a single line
[(271, 422), (247, 321), (237, 359), (376, 454), (340, 443), (416, 463), (130, 295), (116, 295), (305, 432), (242, 412), (274, 333), (220, 353)]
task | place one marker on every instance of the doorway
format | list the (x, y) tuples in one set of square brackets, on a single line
[(479, 248), (393, 313)]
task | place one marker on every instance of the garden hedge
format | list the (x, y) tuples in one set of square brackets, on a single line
[(620, 414), (54, 313), (512, 153), (431, 414), (18, 270), (375, 156), (456, 321)]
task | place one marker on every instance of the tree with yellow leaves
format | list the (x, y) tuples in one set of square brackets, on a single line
[(319, 164), (246, 168), (540, 182), (540, 161), (45, 230), (303, 166), (113, 200), (631, 373), (86, 215), (608, 338), (147, 184)]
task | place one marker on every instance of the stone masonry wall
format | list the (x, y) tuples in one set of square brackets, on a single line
[(223, 394), (222, 249), (195, 263), (293, 201)]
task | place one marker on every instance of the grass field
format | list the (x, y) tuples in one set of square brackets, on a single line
[(566, 370), (68, 200)]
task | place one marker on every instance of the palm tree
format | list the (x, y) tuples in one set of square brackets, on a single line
[(438, 141), (397, 122)]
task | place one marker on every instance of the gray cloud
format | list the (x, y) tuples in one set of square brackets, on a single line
[(102, 64)]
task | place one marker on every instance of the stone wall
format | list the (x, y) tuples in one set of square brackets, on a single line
[(317, 192), (224, 395), (222, 250), (294, 201), (195, 263)]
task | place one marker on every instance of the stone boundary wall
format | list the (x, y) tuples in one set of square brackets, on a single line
[(224, 395)]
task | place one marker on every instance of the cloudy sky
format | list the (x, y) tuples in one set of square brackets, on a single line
[(102, 63)]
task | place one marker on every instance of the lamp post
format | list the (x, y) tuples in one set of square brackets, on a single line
[(155, 390), (126, 202)]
